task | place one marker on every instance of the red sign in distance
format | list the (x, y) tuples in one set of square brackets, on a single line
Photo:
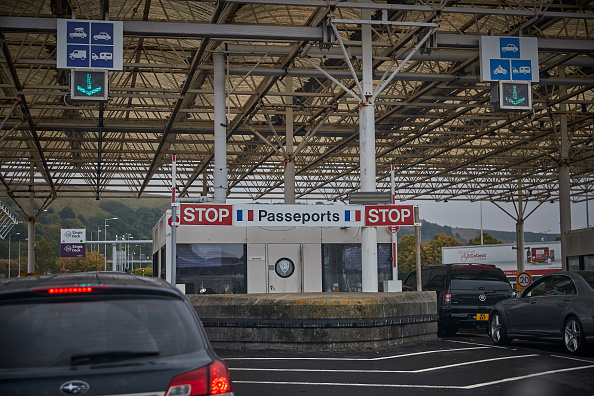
[(169, 221), (389, 215), (196, 214)]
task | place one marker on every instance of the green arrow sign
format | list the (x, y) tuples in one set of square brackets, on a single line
[(90, 90), (89, 84)]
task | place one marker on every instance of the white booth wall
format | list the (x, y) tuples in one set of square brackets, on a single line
[(264, 246)]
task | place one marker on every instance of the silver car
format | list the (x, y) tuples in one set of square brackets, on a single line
[(558, 307)]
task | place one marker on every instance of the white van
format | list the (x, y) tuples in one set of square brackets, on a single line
[(78, 54)]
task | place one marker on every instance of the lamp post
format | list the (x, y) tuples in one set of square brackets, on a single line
[(545, 235), (105, 240), (26, 239), (98, 239), (18, 233)]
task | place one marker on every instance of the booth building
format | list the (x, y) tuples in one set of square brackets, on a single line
[(267, 259)]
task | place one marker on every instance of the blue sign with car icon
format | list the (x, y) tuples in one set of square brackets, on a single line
[(509, 47), (90, 44)]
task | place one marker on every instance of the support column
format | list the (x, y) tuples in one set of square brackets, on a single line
[(114, 257), (564, 179), (289, 179), (367, 159), (521, 254), (31, 225), (220, 131)]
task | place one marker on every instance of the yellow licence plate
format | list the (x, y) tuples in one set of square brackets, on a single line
[(482, 316)]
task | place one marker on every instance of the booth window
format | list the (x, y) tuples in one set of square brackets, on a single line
[(212, 268), (342, 266)]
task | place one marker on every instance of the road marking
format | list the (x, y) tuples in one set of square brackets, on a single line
[(348, 384), (474, 386), (358, 359), (384, 371), (489, 346), (572, 358), (526, 377)]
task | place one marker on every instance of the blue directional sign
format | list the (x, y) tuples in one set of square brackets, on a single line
[(90, 44), (509, 58)]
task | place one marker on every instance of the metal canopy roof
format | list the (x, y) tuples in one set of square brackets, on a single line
[(434, 121)]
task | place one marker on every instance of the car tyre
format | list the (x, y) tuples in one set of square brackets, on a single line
[(574, 338), (498, 331)]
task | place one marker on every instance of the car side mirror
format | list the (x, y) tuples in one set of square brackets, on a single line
[(517, 294)]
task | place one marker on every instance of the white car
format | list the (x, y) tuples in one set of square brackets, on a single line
[(78, 54), (78, 32), (509, 48), (102, 36)]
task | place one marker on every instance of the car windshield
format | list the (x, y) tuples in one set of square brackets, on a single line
[(487, 274), (53, 334)]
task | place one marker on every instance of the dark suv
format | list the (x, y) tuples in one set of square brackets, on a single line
[(103, 333), (465, 293)]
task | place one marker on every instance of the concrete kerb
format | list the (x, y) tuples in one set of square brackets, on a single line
[(319, 321)]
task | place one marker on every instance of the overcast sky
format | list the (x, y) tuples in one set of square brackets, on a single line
[(468, 215)]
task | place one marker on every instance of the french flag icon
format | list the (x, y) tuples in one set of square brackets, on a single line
[(245, 215), (352, 215)]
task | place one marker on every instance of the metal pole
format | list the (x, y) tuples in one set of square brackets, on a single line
[(395, 233), (114, 257), (173, 223), (418, 249), (290, 160), (9, 235), (369, 277), (564, 178), (19, 258), (220, 130), (481, 203), (31, 226)]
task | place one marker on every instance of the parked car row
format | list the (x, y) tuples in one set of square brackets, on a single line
[(558, 307)]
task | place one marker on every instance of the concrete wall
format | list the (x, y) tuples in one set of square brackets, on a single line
[(317, 321)]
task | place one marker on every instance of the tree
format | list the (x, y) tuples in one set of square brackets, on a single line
[(487, 240), (146, 271), (431, 251), (45, 258), (67, 213), (92, 262), (406, 255)]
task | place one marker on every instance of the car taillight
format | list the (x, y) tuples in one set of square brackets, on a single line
[(448, 300), (211, 380), (69, 289)]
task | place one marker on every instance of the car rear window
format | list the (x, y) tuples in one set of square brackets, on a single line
[(53, 334), (490, 274)]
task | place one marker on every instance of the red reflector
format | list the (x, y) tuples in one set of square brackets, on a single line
[(448, 300)]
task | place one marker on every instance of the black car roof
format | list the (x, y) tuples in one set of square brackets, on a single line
[(114, 279)]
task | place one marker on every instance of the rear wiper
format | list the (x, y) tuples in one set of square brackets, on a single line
[(108, 357)]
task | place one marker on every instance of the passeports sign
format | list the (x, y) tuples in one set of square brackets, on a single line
[(296, 215)]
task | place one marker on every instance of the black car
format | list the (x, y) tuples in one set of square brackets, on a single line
[(465, 293), (103, 333), (558, 307)]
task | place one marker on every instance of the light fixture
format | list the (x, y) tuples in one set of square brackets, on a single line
[(369, 197)]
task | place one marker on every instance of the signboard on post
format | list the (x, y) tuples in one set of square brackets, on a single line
[(509, 58), (297, 215), (90, 44), (73, 242)]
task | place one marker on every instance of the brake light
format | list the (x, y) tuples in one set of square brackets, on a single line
[(211, 380), (69, 290), (448, 300)]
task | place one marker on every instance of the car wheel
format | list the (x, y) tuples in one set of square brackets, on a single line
[(498, 332), (573, 336)]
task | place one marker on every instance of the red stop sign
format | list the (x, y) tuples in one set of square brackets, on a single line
[(169, 221)]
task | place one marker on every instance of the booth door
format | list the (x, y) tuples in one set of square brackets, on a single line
[(284, 268)]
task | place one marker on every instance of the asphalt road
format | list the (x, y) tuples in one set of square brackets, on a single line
[(467, 364)]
